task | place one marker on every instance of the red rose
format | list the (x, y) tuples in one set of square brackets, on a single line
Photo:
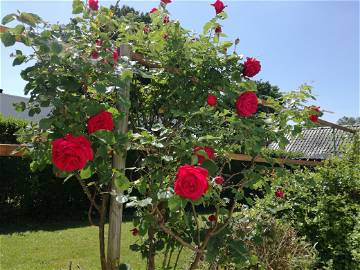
[(93, 4), (146, 29), (219, 180), (71, 153), (212, 218), (191, 182), (314, 117), (208, 150), (251, 67), (279, 193), (115, 56), (218, 29), (165, 2), (134, 232), (153, 10), (98, 42), (211, 100), (219, 6), (102, 120), (94, 55), (166, 19), (246, 104)]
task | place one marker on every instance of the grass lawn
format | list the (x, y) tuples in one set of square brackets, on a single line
[(53, 247)]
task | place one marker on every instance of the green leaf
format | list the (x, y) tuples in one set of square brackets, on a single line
[(45, 123), (19, 59), (101, 88), (121, 181), (8, 18), (176, 202), (29, 18), (55, 47), (210, 166), (86, 173), (77, 6), (249, 85), (17, 30), (46, 34), (20, 107), (8, 39)]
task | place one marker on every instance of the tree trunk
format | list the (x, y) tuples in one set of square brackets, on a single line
[(116, 208), (151, 254), (102, 231)]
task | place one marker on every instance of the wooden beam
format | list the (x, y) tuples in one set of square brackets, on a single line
[(329, 124), (10, 150), (243, 157)]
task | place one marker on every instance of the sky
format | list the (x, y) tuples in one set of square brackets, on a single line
[(313, 42)]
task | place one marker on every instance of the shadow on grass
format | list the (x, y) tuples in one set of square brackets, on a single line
[(24, 225)]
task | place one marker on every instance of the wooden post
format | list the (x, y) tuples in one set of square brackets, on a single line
[(116, 208)]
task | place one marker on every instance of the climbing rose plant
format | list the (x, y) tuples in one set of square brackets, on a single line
[(191, 103)]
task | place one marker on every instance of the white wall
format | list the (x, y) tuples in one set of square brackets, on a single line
[(7, 108)]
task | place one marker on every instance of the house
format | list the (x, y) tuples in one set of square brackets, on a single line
[(7, 108)]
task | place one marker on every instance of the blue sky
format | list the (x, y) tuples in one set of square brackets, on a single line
[(315, 42)]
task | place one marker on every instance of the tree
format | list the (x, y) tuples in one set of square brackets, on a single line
[(177, 118)]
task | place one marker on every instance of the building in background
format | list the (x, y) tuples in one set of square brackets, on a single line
[(7, 108)]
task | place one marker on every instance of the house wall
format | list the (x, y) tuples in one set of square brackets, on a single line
[(7, 108)]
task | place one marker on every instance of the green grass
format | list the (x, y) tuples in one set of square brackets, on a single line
[(52, 248)]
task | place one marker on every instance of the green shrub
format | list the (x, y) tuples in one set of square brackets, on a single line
[(8, 128), (323, 205), (256, 240)]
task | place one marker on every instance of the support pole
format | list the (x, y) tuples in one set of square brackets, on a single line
[(116, 208)]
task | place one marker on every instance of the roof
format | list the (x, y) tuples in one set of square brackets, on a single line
[(318, 143)]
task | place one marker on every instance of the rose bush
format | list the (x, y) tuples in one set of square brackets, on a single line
[(144, 86)]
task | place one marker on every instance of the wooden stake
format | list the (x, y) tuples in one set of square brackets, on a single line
[(116, 208)]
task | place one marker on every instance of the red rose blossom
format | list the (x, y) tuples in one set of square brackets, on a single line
[(146, 29), (219, 6), (98, 42), (134, 232), (219, 180), (251, 67), (166, 19), (93, 4), (314, 117), (165, 2), (279, 193), (246, 104), (153, 10), (212, 218), (208, 150), (218, 29), (191, 182), (115, 55), (211, 100), (102, 120), (71, 153), (94, 55)]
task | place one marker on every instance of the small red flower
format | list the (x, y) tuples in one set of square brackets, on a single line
[(153, 10), (94, 55), (219, 6), (211, 100), (219, 180), (279, 193), (246, 104), (251, 67), (212, 218), (218, 30), (99, 42), (210, 152), (115, 55), (314, 116), (93, 4), (134, 232), (146, 29), (166, 19), (166, 2)]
